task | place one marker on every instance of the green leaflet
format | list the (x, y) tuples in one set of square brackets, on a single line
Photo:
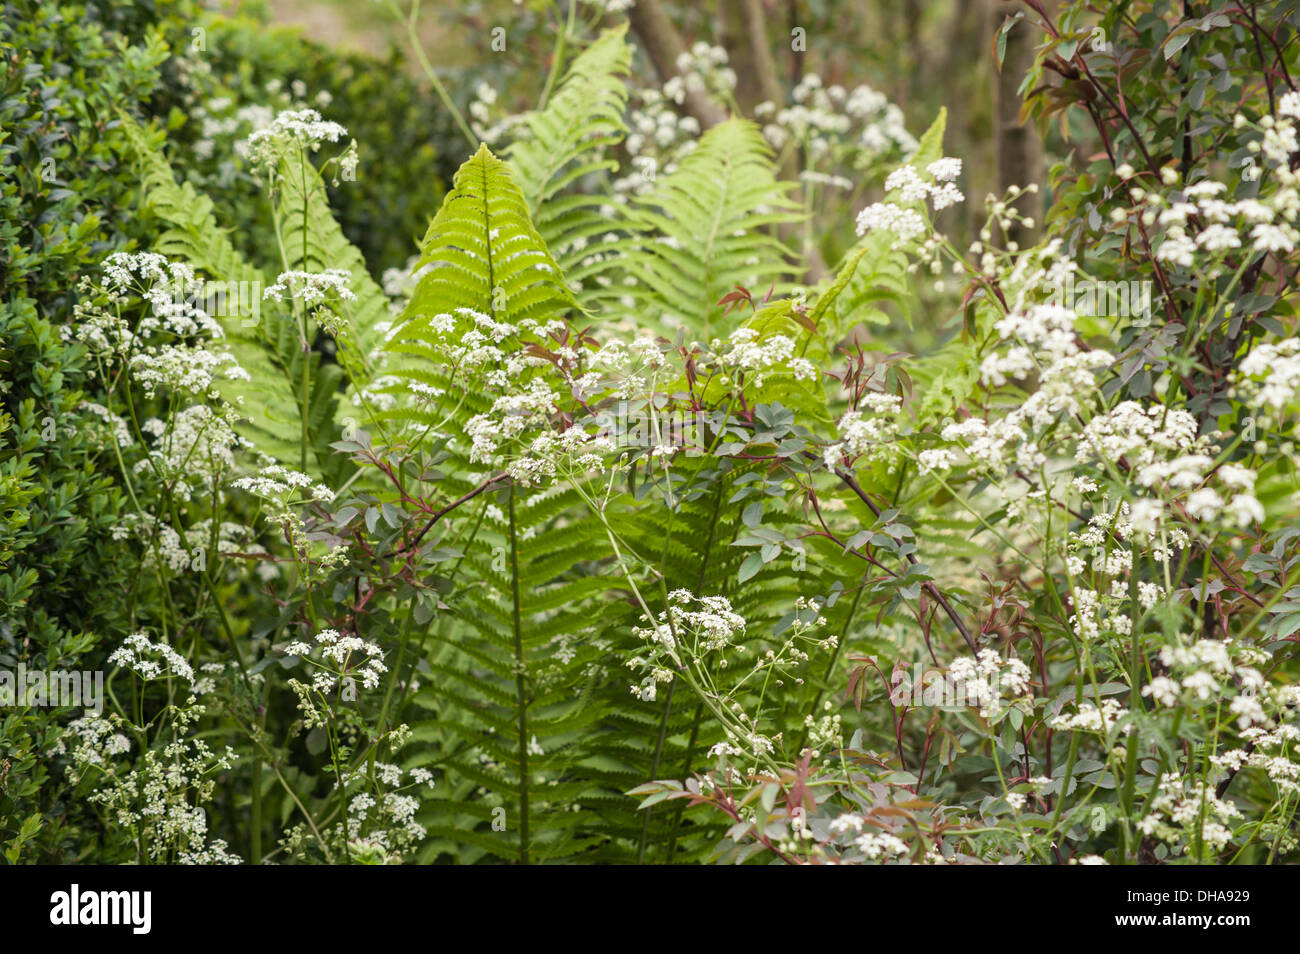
[(930, 146), (879, 272)]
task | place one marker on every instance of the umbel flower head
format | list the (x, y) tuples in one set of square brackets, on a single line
[(295, 128)]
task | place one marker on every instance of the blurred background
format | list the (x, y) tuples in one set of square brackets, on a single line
[(920, 54)]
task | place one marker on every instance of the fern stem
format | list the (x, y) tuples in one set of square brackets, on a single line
[(557, 58), (699, 710), (675, 826), (520, 700), (654, 768)]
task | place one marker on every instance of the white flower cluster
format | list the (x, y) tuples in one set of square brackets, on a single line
[(312, 288), (278, 483), (1163, 449), (193, 451), (1273, 752), (379, 829), (572, 450), (303, 128), (830, 121), (156, 350), (861, 839), (936, 185), (163, 545), (523, 364), (115, 424), (758, 356), (150, 660), (1091, 718), (691, 627), (1039, 344), (161, 802), (659, 136), (906, 224), (171, 288), (481, 109), (990, 681), (282, 491), (1186, 809), (702, 68), (870, 431), (184, 369), (1215, 671), (1278, 365), (1098, 544), (1197, 218), (340, 661), (95, 741)]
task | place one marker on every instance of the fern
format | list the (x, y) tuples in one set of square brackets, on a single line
[(711, 221), (565, 144), (318, 243), (513, 686), (695, 547), (514, 662), (483, 253)]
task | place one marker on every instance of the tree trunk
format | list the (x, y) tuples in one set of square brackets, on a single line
[(1019, 152), (664, 45)]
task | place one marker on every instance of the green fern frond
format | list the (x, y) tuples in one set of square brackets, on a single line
[(564, 147), (483, 254), (512, 702), (566, 139), (317, 243), (712, 224)]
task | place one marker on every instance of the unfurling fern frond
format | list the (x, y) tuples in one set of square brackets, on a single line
[(715, 217)]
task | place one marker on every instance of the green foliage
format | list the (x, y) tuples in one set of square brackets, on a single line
[(66, 196), (566, 143), (702, 230), (516, 614)]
